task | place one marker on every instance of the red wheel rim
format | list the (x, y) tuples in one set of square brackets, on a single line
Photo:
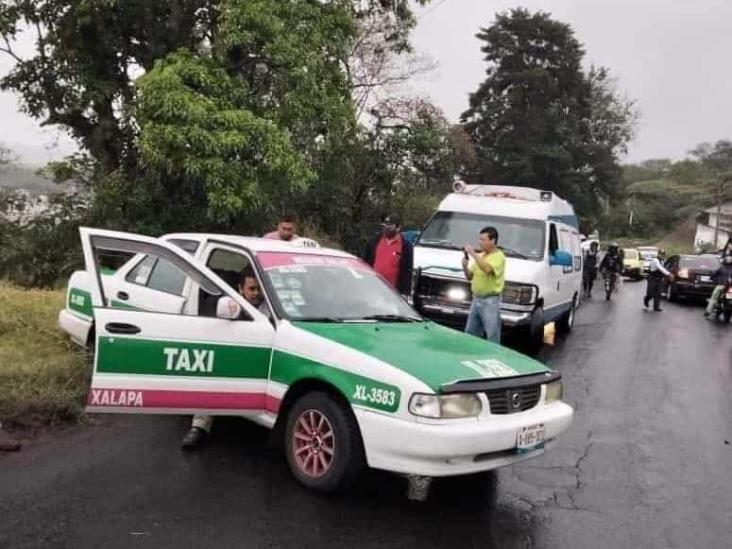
[(313, 443)]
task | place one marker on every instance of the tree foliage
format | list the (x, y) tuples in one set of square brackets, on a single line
[(221, 114), (538, 120), (662, 193)]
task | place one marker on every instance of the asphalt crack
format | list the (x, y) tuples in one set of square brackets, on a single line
[(578, 464)]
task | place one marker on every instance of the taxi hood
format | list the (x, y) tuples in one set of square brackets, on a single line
[(437, 356)]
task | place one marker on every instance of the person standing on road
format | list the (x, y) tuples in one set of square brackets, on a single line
[(655, 281), (589, 270), (485, 270), (391, 255), (201, 424)]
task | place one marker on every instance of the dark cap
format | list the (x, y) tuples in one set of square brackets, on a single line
[(391, 220)]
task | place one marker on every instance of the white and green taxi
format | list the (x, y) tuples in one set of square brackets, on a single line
[(338, 362)]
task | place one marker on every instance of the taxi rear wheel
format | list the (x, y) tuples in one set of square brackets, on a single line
[(323, 443)]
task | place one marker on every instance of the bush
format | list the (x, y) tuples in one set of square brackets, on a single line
[(45, 249)]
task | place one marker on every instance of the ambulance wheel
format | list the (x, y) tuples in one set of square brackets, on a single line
[(566, 323), (727, 315), (323, 443), (533, 333)]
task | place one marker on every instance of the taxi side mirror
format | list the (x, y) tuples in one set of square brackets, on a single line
[(227, 308)]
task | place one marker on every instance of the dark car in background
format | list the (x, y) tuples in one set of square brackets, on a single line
[(692, 276)]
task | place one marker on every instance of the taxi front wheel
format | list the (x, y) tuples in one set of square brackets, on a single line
[(324, 446)]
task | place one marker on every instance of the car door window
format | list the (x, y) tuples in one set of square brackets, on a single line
[(231, 265), (158, 274), (160, 277), (228, 265), (141, 272), (166, 277)]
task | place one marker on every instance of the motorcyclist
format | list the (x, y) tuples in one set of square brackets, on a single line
[(722, 277), (589, 269)]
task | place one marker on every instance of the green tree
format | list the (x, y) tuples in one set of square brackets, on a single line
[(405, 162), (539, 120), (285, 60), (717, 159)]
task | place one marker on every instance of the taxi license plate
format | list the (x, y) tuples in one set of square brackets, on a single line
[(705, 278), (530, 438)]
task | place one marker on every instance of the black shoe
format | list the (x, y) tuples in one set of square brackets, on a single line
[(706, 314), (657, 309), (194, 438)]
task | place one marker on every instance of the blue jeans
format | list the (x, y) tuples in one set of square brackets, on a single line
[(485, 316)]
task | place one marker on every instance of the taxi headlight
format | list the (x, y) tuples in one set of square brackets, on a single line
[(554, 391), (445, 406), (684, 273)]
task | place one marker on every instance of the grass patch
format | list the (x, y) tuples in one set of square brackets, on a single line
[(43, 376)]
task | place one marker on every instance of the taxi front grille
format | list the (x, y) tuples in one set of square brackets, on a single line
[(510, 401)]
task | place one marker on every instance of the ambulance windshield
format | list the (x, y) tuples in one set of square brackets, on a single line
[(521, 238)]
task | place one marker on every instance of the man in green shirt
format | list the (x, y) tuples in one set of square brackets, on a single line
[(485, 270)]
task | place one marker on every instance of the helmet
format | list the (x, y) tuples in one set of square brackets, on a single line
[(612, 248), (727, 259), (661, 252)]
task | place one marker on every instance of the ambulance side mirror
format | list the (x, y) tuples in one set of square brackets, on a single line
[(227, 308)]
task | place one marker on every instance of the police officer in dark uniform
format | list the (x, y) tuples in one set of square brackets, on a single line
[(589, 269)]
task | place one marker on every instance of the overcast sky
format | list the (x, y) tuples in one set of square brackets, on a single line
[(671, 56)]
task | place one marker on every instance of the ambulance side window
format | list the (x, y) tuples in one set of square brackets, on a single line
[(553, 239), (576, 251)]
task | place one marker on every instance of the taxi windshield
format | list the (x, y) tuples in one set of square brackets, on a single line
[(323, 288)]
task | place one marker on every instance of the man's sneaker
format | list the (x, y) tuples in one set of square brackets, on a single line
[(657, 309), (706, 314), (194, 438)]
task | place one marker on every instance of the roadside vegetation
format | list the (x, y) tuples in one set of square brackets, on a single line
[(43, 377)]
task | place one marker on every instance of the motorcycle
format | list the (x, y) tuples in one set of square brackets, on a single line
[(610, 282), (723, 307)]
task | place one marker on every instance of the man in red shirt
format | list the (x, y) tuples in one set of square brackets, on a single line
[(391, 255)]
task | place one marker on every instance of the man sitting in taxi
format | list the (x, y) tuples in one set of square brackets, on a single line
[(248, 287)]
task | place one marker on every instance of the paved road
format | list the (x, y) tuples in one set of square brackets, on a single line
[(645, 465)]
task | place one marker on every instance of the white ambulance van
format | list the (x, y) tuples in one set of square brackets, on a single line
[(538, 232)]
